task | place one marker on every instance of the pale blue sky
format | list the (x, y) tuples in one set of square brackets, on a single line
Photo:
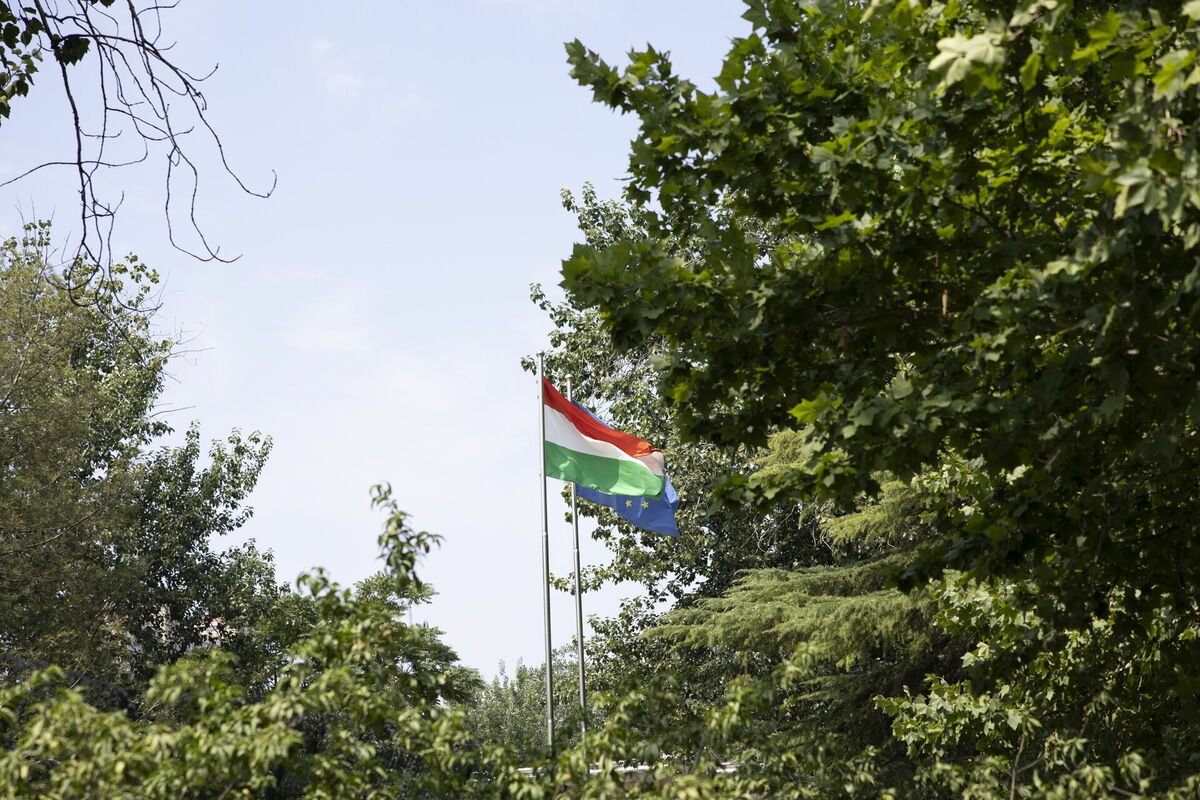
[(376, 319)]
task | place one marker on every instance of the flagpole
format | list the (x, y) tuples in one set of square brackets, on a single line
[(578, 598), (546, 559)]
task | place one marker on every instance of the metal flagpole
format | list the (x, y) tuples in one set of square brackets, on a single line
[(578, 599), (546, 559)]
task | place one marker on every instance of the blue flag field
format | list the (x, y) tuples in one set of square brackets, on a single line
[(656, 514)]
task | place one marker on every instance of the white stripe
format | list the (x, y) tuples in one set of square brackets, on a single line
[(560, 431)]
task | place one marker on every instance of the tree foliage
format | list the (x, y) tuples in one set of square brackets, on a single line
[(510, 711), (982, 224), (352, 712), (107, 564), (915, 287)]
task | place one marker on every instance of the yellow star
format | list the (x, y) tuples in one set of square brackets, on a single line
[(628, 503), (645, 504)]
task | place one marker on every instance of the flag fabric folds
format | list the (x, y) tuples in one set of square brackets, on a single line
[(583, 450), (656, 514)]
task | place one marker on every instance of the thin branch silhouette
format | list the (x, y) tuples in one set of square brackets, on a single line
[(135, 88)]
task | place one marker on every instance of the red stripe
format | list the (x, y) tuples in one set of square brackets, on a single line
[(593, 429)]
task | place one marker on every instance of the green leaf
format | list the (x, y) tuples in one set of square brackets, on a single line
[(1029, 70), (836, 221)]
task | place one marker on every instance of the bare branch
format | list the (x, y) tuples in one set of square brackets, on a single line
[(138, 88)]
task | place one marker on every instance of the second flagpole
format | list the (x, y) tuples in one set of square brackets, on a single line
[(578, 597)]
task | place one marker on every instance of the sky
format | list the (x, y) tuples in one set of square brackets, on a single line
[(374, 322)]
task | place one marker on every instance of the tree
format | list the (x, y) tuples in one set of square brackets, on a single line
[(983, 269), (510, 712), (135, 83), (178, 591), (854, 635), (78, 386), (107, 565), (357, 710)]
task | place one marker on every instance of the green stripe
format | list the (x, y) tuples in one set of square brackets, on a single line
[(608, 475)]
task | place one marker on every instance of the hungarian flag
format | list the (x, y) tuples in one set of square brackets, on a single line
[(583, 450)]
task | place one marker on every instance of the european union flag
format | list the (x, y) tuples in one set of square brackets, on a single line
[(655, 514)]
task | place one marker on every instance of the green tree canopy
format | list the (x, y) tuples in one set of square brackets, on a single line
[(959, 233), (980, 268), (357, 709), (107, 561)]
